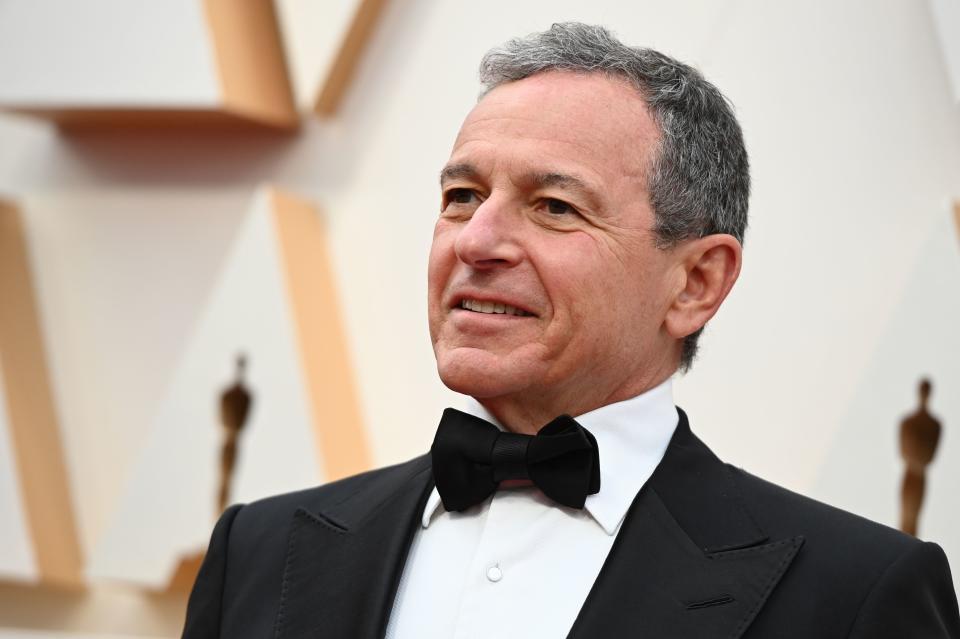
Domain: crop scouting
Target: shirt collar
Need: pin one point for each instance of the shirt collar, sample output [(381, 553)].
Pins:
[(632, 436)]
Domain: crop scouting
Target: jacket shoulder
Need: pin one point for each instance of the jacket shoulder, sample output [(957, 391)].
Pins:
[(853, 575), (319, 498), (252, 549), (780, 511)]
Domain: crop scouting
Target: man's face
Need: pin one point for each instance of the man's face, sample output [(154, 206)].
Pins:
[(545, 213)]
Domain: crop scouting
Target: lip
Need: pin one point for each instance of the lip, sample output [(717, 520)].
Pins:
[(471, 325), (473, 316), (458, 298)]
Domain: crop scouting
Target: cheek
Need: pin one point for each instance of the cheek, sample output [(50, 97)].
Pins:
[(441, 261), (585, 279), (606, 297), (438, 273)]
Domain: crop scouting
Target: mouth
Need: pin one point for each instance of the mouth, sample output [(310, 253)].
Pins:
[(490, 307)]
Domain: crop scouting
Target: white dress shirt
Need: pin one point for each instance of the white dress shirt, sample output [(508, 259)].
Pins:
[(518, 565)]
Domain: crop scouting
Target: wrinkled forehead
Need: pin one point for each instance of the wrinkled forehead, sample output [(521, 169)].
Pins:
[(594, 115)]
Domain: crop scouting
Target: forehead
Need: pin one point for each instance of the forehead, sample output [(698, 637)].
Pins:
[(593, 120)]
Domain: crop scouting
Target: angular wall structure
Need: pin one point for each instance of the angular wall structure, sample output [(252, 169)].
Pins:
[(111, 63), (38, 510), (274, 303)]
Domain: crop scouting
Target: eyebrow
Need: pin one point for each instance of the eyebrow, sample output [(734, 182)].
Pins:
[(559, 179), (464, 170), (455, 171), (569, 183)]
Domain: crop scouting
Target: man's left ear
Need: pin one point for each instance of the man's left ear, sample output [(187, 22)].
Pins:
[(707, 269)]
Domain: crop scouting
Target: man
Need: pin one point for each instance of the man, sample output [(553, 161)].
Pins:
[(592, 213)]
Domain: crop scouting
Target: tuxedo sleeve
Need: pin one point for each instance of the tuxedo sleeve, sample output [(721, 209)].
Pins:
[(914, 597), (203, 609)]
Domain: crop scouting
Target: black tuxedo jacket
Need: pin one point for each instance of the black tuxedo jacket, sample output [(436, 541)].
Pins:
[(706, 551)]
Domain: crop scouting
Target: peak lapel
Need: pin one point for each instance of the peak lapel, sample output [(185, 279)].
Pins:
[(344, 563), (689, 560)]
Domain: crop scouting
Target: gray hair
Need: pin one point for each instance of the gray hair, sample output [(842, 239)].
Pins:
[(699, 177)]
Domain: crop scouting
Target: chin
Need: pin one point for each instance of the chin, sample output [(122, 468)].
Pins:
[(476, 375)]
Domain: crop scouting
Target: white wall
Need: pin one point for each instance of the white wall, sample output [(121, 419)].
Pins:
[(168, 499), (946, 17), (848, 294), (160, 56), (312, 34)]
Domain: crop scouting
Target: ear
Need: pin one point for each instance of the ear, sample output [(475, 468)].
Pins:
[(708, 266)]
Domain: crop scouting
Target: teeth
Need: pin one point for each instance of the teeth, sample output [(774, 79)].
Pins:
[(492, 308)]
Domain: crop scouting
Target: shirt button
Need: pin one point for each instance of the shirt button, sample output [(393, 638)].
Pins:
[(494, 573)]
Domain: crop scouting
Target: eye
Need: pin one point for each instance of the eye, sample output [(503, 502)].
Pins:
[(558, 207), (458, 196)]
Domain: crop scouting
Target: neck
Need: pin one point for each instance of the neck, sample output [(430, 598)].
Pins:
[(527, 413)]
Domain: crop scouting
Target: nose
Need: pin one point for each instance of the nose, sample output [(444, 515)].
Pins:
[(490, 238)]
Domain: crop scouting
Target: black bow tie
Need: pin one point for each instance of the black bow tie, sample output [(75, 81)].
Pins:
[(471, 456)]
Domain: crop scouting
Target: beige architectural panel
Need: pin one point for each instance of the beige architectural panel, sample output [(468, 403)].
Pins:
[(33, 421), (254, 86), (351, 49), (185, 574), (250, 60), (99, 612), (341, 440)]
